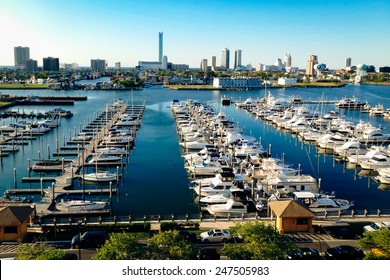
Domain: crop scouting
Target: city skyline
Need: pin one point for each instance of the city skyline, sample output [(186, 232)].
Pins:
[(77, 32)]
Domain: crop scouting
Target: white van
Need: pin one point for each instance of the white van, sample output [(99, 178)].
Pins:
[(376, 226)]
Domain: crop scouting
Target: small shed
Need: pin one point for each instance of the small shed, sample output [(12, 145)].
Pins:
[(13, 222), (292, 216)]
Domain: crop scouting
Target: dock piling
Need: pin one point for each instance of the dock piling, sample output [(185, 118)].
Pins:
[(15, 181)]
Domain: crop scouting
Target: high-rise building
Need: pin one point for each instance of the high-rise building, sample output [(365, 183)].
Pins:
[(203, 65), (213, 62), (160, 46), (117, 66), (237, 58), (164, 63), (313, 60), (31, 65), (225, 58), (348, 62), (98, 64), (21, 55), (51, 64), (287, 60)]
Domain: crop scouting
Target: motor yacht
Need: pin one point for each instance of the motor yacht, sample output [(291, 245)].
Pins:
[(80, 205)]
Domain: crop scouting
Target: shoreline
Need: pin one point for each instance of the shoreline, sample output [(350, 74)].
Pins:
[(209, 87)]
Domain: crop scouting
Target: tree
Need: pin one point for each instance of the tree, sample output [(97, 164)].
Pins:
[(378, 242), (261, 242), (170, 245), (121, 246), (39, 252)]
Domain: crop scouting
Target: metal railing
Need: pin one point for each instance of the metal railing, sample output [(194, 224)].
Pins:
[(95, 220)]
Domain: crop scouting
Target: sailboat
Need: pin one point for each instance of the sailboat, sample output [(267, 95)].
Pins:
[(99, 176)]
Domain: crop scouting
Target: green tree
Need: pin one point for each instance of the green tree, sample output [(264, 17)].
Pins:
[(39, 252), (261, 242), (169, 245), (121, 246), (378, 242)]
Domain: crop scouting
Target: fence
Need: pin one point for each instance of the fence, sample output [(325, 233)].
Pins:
[(75, 220)]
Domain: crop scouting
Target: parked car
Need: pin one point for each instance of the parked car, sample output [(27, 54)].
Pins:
[(70, 256), (89, 239), (343, 233), (208, 254), (188, 235), (216, 235), (344, 252), (376, 226), (304, 253)]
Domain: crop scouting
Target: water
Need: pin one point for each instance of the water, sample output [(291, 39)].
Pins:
[(155, 181)]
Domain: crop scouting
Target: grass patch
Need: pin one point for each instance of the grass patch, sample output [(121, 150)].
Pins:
[(321, 84), (190, 87), (23, 86)]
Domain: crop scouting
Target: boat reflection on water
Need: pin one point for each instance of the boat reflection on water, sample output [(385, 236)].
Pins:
[(384, 187)]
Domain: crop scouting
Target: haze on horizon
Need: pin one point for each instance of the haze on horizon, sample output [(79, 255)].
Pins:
[(127, 31)]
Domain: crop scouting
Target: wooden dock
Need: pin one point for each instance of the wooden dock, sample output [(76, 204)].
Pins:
[(80, 151)]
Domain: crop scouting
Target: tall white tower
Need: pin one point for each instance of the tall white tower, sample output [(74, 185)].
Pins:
[(287, 60), (160, 46)]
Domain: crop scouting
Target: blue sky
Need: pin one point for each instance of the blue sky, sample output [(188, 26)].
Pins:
[(127, 31)]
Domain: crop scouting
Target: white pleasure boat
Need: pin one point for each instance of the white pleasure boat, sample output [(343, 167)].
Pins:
[(80, 205)]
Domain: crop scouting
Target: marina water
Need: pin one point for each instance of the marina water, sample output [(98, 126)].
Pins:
[(154, 180)]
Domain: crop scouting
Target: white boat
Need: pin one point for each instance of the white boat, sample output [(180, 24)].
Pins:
[(248, 148), (247, 104), (223, 197), (289, 182), (50, 122), (320, 203), (384, 171), (350, 148), (9, 148), (205, 168), (37, 128), (332, 142), (376, 135), (195, 136), (80, 205), (384, 179), (117, 140), (195, 145), (82, 136), (222, 183), (111, 150), (128, 120), (352, 103), (105, 158), (376, 162), (236, 206), (377, 110), (100, 177), (357, 158)]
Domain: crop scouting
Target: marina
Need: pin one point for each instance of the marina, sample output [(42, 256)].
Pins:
[(154, 167)]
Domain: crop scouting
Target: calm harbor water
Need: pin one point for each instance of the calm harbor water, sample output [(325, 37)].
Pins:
[(155, 181)]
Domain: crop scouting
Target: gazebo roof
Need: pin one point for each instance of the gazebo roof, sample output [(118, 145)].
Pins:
[(290, 209), (14, 215)]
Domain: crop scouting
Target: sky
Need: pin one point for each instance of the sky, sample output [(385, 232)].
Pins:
[(126, 31)]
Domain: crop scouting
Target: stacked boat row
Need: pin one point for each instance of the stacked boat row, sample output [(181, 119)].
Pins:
[(361, 144), (16, 132), (232, 174)]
